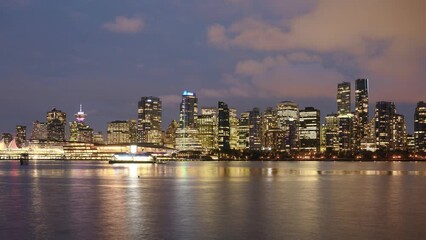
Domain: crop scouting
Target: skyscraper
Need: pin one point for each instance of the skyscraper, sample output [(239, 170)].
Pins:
[(361, 111), (187, 133), (332, 133), (39, 132), (233, 125), (288, 122), (344, 98), (208, 128), (309, 130), (420, 127), (188, 110), (399, 133), (118, 132), (224, 130), (384, 115), (149, 120), (56, 122), (21, 135)]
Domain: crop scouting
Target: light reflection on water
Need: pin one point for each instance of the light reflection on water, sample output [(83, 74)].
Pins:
[(213, 200)]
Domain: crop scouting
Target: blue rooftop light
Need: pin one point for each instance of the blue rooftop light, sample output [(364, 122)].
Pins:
[(186, 93)]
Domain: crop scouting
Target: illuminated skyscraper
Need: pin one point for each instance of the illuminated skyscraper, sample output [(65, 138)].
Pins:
[(288, 122), (361, 111), (233, 124), (420, 127), (56, 122), (118, 132), (149, 120), (384, 115), (344, 98), (39, 132), (269, 129), (224, 130), (21, 135), (188, 110), (309, 130), (399, 133), (332, 133), (345, 136), (208, 128), (170, 134), (243, 131), (187, 133)]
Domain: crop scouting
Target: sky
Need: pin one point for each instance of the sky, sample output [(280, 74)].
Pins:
[(107, 54)]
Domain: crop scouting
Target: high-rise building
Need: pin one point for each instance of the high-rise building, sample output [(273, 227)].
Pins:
[(345, 136), (243, 131), (269, 129), (207, 124), (149, 120), (224, 128), (133, 131), (79, 131), (39, 132), (420, 127), (21, 135), (118, 132), (170, 134), (255, 129), (399, 133), (187, 133), (188, 110), (344, 98), (233, 125), (332, 133), (361, 111), (384, 116), (56, 122), (309, 130), (288, 122)]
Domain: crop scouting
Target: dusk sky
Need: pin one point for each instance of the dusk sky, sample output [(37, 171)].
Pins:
[(108, 54)]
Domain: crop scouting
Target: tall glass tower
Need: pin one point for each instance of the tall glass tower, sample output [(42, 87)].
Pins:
[(361, 110), (344, 98), (149, 120)]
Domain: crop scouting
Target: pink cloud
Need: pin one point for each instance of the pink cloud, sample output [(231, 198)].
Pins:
[(123, 24)]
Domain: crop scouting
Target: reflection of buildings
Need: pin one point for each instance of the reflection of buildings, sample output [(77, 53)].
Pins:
[(149, 120)]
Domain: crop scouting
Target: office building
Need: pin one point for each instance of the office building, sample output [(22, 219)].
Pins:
[(332, 133), (361, 111), (288, 122), (224, 128), (56, 123), (420, 127), (118, 132), (309, 129), (233, 125), (21, 135), (343, 98), (39, 132), (207, 124), (384, 116), (149, 120)]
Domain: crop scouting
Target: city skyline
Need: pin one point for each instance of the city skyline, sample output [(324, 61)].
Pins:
[(108, 56)]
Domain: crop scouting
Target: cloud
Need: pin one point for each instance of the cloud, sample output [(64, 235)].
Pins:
[(277, 77), (384, 41), (123, 24)]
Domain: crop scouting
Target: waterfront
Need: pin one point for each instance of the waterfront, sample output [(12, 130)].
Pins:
[(213, 200)]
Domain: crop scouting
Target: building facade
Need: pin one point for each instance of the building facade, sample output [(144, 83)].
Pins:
[(149, 120), (309, 129), (420, 127)]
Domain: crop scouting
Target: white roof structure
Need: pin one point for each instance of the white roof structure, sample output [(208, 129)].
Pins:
[(13, 145), (2, 145)]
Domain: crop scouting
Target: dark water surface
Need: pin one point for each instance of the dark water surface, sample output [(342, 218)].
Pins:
[(213, 200)]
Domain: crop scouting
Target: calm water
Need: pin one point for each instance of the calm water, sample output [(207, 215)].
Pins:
[(211, 200)]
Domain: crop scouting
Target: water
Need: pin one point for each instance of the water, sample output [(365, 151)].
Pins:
[(213, 200)]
